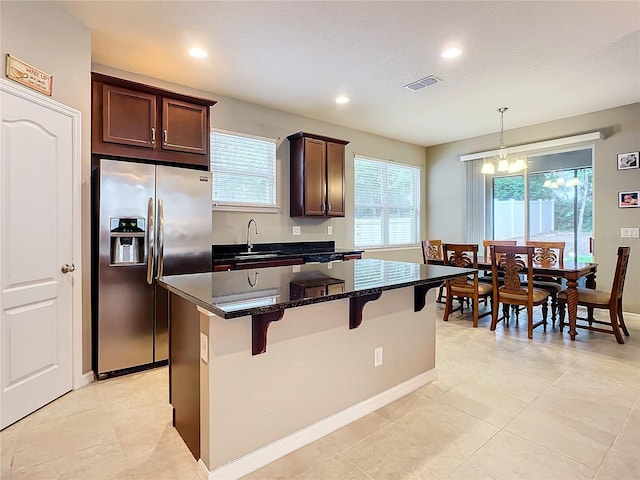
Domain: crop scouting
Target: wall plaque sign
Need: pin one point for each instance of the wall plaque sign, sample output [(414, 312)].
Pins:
[(29, 75)]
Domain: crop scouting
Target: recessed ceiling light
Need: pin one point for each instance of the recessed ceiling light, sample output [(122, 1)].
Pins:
[(451, 53), (342, 99), (197, 52)]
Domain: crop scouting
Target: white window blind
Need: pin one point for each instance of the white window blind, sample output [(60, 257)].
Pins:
[(243, 169), (387, 203)]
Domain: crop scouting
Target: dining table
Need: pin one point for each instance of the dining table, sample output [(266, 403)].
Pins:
[(571, 270)]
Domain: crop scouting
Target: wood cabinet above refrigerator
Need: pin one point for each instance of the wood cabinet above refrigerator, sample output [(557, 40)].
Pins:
[(317, 175), (139, 121)]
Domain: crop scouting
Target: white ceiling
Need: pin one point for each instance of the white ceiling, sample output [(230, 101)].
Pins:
[(544, 60)]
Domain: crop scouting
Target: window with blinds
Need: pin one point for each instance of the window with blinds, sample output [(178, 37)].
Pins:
[(243, 169), (387, 204)]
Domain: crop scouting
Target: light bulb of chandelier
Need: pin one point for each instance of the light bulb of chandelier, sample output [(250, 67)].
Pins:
[(560, 181), (574, 182), (488, 169), (503, 165), (502, 153)]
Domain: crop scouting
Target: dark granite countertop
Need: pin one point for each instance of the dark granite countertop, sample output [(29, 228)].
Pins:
[(238, 293), (279, 250)]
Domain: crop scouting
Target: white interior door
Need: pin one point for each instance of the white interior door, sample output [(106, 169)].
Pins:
[(35, 242)]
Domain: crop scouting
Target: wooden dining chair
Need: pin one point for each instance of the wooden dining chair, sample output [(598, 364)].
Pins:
[(600, 299), (512, 262), (548, 255), (486, 244), (466, 256), (432, 250)]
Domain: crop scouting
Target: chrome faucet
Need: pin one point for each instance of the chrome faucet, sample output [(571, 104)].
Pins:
[(249, 244)]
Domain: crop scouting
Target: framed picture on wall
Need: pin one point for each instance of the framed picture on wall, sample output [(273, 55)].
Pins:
[(629, 199), (628, 160)]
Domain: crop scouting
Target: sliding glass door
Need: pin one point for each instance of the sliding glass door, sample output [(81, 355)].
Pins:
[(552, 201)]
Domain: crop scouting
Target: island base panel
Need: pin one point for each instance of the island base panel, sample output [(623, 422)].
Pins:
[(314, 368)]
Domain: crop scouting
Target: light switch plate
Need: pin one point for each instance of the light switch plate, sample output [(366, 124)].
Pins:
[(296, 229), (296, 268), (329, 230), (204, 348), (629, 232)]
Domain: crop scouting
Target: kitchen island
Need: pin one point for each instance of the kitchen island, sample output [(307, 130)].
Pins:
[(265, 361)]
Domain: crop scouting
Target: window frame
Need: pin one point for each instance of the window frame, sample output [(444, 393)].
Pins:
[(246, 207), (385, 216)]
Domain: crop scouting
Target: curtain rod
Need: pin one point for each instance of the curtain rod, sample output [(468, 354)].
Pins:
[(529, 147)]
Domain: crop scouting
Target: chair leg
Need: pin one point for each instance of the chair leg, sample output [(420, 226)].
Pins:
[(554, 309), (447, 306), (613, 315), (621, 318), (590, 315), (505, 313), (561, 312), (440, 294), (530, 321), (475, 311), (545, 311), (494, 314)]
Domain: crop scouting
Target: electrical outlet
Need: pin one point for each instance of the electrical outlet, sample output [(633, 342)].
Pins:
[(296, 229), (204, 348), (629, 232), (296, 268), (377, 357), (329, 230)]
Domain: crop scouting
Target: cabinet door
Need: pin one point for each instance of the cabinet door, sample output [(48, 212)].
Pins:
[(184, 127), (128, 117), (335, 180), (314, 177), (335, 288), (314, 291)]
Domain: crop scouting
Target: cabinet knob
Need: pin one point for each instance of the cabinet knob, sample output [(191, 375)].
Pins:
[(329, 206), (153, 135), (165, 137)]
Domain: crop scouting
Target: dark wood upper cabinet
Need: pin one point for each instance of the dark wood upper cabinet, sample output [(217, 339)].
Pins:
[(143, 122), (185, 127), (128, 117), (317, 175)]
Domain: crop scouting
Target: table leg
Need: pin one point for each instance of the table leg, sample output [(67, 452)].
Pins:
[(591, 280), (572, 306)]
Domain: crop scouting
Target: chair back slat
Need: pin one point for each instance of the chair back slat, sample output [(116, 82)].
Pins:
[(460, 255), (487, 247), (548, 254), (621, 273), (431, 250), (512, 262)]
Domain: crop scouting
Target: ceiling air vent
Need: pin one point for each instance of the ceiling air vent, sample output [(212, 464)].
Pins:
[(420, 84)]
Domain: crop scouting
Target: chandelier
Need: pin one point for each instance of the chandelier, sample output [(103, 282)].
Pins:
[(504, 162)]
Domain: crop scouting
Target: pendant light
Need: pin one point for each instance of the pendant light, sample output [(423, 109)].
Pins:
[(502, 163)]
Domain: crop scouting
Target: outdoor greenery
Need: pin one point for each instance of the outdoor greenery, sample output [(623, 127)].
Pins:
[(512, 188)]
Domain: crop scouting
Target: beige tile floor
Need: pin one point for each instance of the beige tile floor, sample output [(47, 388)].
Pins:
[(503, 407)]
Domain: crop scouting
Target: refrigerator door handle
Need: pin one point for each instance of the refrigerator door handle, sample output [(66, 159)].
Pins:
[(160, 237), (150, 241)]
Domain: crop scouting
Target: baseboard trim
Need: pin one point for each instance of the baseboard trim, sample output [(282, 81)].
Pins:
[(84, 380), (279, 448), (632, 316)]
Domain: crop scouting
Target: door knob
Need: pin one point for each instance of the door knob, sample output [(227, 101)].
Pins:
[(66, 268)]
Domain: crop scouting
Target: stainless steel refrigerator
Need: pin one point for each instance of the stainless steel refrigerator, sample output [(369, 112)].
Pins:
[(149, 221)]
